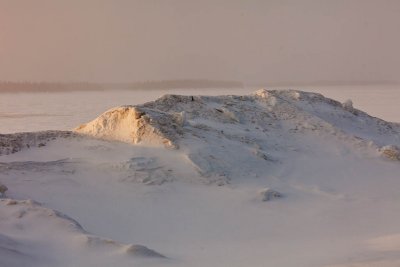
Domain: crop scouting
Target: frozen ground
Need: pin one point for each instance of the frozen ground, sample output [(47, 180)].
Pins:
[(199, 198)]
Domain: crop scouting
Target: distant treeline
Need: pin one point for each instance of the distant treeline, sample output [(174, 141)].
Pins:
[(170, 84), (88, 86), (47, 86)]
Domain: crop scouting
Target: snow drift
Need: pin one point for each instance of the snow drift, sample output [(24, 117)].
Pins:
[(25, 220)]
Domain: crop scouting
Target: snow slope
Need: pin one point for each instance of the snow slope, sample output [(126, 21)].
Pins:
[(276, 178)]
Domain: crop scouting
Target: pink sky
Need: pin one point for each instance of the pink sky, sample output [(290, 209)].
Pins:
[(128, 40)]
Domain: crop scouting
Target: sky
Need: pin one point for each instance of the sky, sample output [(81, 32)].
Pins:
[(249, 41)]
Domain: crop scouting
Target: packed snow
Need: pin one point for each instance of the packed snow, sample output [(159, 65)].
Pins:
[(275, 177)]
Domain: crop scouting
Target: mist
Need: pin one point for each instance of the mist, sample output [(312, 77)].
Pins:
[(248, 41)]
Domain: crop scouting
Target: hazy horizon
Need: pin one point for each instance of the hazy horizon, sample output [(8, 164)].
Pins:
[(253, 41)]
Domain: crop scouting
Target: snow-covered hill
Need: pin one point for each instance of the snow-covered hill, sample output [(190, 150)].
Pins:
[(172, 118), (215, 133), (303, 181)]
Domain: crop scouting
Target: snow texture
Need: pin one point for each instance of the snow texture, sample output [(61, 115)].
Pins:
[(11, 143), (187, 175)]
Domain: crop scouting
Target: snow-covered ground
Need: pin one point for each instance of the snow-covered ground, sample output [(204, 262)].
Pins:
[(275, 178)]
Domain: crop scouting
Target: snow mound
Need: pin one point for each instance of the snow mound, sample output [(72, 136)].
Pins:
[(26, 228), (135, 125), (216, 132), (169, 119)]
